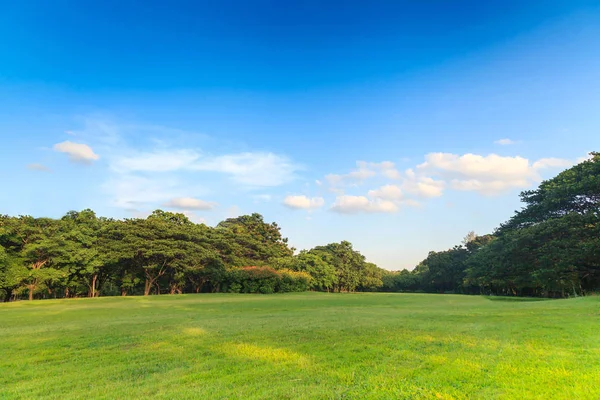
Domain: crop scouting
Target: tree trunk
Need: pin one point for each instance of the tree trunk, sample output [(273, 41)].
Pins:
[(123, 292), (147, 287), (8, 295), (30, 287), (94, 285)]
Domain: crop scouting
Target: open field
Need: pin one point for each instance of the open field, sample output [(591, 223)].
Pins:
[(308, 345)]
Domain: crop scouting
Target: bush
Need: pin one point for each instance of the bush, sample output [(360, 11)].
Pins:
[(265, 280), (234, 288)]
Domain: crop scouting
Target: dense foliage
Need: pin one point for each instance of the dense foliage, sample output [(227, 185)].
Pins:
[(550, 248), (85, 255)]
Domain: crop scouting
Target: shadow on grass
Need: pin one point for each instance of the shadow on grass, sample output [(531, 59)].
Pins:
[(510, 298)]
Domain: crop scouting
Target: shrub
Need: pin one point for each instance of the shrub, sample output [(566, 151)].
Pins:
[(265, 280)]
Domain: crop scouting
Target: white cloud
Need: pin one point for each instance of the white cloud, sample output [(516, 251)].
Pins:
[(392, 173), (387, 192), (131, 191), (303, 202), (195, 218), (388, 169), (38, 167), (252, 169), (365, 170), (189, 203), (77, 152), (552, 163), (361, 204), (504, 142), (410, 203), (487, 175), (584, 158), (422, 186), (149, 166), (488, 188), (476, 166)]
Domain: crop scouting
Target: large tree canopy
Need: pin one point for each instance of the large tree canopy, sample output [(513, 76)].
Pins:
[(551, 247), (81, 254)]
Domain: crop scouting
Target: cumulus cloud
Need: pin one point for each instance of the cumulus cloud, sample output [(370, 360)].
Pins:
[(303, 202), (477, 166), (77, 152), (360, 204), (189, 203), (488, 175), (410, 203), (552, 163), (504, 142), (38, 167), (387, 192), (422, 186), (485, 174), (392, 173)]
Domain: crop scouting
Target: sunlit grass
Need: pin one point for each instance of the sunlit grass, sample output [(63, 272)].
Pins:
[(311, 345)]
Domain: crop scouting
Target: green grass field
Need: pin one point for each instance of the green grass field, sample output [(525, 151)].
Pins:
[(309, 345)]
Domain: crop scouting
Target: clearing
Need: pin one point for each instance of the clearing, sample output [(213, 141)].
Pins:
[(306, 345)]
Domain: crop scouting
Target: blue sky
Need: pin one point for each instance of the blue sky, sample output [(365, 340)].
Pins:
[(399, 126)]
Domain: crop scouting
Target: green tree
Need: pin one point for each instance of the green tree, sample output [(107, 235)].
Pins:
[(319, 265), (80, 253), (252, 241)]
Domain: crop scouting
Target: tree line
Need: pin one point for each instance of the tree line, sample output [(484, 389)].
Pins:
[(82, 254), (549, 248)]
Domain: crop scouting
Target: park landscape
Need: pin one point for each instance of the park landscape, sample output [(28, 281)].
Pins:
[(301, 346), (300, 200), (163, 307)]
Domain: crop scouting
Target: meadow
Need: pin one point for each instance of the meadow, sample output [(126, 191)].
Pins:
[(301, 346)]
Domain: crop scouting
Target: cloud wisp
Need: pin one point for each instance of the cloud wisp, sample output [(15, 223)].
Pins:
[(505, 142), (77, 152), (249, 168), (157, 166), (363, 171), (303, 202), (346, 204), (190, 203), (38, 167)]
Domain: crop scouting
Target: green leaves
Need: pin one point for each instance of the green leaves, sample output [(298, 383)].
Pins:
[(85, 255)]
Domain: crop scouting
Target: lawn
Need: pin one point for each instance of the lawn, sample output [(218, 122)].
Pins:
[(308, 345)]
